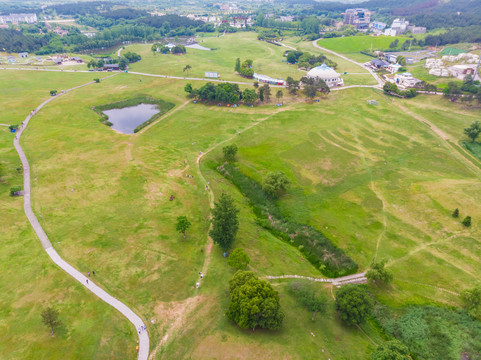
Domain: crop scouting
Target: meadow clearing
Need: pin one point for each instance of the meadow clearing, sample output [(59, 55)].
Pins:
[(375, 179)]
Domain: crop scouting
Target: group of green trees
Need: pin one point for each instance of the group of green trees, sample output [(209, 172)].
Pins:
[(467, 92), (392, 89), (307, 60), (466, 221), (245, 68), (228, 93)]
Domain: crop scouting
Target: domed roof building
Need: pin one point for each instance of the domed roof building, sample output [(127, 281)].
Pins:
[(324, 72)]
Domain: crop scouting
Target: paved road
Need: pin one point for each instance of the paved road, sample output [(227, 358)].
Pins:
[(47, 245), (378, 79)]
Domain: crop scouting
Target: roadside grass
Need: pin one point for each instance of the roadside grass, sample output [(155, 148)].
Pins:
[(30, 281)]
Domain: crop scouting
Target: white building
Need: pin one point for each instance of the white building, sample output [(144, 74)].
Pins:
[(268, 80), (18, 18), (324, 72), (405, 79), (394, 68), (398, 27)]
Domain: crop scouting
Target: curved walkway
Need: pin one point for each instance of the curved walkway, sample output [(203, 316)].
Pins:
[(376, 77), (343, 280), (47, 245)]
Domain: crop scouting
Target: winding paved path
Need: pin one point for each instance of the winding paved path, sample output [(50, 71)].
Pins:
[(47, 245)]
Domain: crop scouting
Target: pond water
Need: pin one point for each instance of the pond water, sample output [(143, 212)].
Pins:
[(125, 120)]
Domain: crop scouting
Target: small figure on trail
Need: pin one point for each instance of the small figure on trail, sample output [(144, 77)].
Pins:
[(89, 273), (201, 250), (87, 280), (172, 197), (197, 285), (93, 272)]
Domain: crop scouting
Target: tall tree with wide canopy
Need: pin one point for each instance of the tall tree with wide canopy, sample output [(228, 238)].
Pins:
[(253, 303)]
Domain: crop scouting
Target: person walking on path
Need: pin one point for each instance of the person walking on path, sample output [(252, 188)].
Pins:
[(89, 273), (93, 272), (87, 280)]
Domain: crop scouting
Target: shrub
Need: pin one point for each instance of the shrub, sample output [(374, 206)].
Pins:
[(456, 213), (467, 221)]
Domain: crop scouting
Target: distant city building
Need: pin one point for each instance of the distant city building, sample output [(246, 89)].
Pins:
[(398, 27), (417, 29), (18, 18), (377, 25), (406, 79), (359, 18), (286, 18)]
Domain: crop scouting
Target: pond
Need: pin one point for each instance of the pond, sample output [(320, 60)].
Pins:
[(125, 120)]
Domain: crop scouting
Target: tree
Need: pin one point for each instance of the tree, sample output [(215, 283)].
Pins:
[(472, 300), (310, 25), (391, 350), (53, 92), (308, 298), (275, 183), (292, 85), (97, 80), (187, 68), (230, 151), (182, 224), (266, 90), (249, 96), (379, 273), (253, 302), (15, 189), (256, 84), (154, 48), (237, 65), (452, 91), (50, 318), (467, 221), (353, 303), (92, 64), (401, 60), (178, 49), (261, 94), (100, 63), (238, 259), (188, 88), (123, 63), (279, 95), (456, 213), (224, 222), (291, 58), (473, 130)]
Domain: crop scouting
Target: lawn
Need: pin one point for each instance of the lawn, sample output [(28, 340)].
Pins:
[(378, 182), (30, 280), (351, 46), (244, 45), (361, 177)]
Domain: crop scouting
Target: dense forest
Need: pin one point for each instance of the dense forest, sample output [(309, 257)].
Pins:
[(15, 41)]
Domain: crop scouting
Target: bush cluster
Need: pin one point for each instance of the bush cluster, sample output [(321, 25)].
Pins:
[(312, 243)]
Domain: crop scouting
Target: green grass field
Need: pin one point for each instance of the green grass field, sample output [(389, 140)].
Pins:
[(375, 179), (351, 46)]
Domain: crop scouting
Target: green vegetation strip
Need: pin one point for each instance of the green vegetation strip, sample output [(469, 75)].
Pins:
[(162, 105), (317, 249)]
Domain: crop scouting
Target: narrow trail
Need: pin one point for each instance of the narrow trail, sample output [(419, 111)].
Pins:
[(54, 256), (343, 280)]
